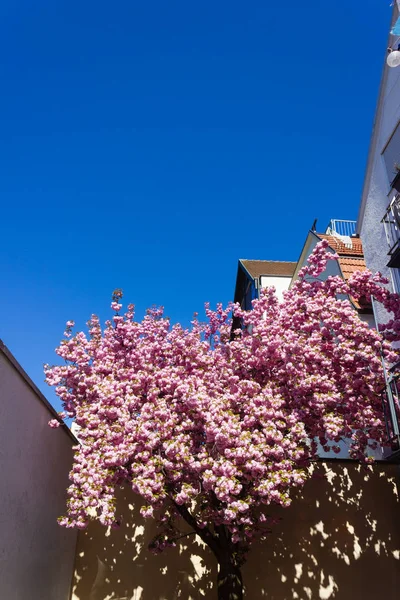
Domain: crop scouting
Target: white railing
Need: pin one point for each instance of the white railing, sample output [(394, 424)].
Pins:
[(341, 227)]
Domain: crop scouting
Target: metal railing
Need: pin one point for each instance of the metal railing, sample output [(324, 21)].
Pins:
[(391, 223), (391, 409), (341, 227), (390, 402)]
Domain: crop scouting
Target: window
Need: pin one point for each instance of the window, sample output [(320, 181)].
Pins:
[(391, 155)]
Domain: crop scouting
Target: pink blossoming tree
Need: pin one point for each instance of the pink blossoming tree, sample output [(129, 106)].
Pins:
[(211, 428)]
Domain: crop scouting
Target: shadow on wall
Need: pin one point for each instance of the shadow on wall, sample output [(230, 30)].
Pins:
[(340, 539), (116, 564)]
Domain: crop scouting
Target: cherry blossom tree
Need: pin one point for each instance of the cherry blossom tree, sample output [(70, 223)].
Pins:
[(210, 427)]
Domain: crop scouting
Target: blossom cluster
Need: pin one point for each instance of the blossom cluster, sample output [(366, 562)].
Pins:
[(216, 423)]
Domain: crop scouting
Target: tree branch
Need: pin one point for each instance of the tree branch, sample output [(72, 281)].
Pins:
[(205, 534), (185, 535)]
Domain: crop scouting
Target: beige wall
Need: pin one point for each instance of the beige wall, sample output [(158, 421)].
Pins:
[(36, 554), (340, 539)]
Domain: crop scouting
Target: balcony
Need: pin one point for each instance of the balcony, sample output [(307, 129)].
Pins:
[(391, 223), (341, 228)]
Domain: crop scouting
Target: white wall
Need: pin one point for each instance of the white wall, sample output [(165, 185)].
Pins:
[(332, 267), (376, 196), (36, 554), (281, 284)]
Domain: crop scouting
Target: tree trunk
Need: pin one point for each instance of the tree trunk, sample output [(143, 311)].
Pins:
[(230, 583)]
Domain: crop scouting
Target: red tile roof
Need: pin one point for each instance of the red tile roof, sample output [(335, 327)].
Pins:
[(351, 265), (339, 247), (350, 259), (257, 268)]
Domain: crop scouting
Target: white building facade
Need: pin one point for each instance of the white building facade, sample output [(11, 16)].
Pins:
[(379, 216), (378, 222)]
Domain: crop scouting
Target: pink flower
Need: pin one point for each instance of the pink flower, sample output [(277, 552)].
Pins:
[(194, 421)]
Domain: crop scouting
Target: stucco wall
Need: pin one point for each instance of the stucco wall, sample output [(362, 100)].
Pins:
[(376, 192), (36, 554), (340, 539)]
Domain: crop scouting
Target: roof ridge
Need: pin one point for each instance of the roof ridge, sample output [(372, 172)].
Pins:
[(268, 260)]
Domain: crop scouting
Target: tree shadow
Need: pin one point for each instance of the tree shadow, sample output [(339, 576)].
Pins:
[(116, 563), (340, 539)]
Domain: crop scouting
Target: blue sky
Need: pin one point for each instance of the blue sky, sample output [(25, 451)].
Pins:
[(150, 145)]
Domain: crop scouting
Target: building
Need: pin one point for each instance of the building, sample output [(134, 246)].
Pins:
[(343, 240), (253, 275), (378, 223), (36, 554)]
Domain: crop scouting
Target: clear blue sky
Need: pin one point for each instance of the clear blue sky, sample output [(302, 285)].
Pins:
[(149, 145)]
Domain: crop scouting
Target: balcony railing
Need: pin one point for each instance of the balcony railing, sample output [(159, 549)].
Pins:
[(340, 227), (391, 223), (391, 409)]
